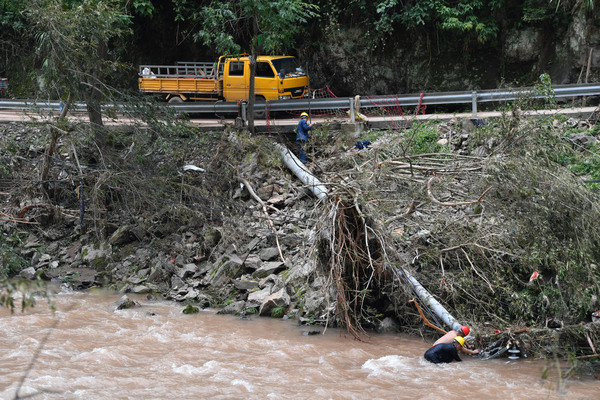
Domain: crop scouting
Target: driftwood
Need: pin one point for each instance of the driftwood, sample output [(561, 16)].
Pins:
[(453, 204)]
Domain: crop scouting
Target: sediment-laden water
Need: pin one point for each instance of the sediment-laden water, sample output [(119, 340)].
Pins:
[(157, 352)]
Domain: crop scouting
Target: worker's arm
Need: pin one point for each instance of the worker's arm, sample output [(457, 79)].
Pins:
[(467, 351)]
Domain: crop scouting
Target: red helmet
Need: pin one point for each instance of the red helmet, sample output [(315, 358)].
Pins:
[(465, 330)]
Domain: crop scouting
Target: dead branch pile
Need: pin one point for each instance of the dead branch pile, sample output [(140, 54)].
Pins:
[(472, 229)]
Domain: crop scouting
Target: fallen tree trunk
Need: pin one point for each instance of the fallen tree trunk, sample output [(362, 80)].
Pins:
[(321, 192)]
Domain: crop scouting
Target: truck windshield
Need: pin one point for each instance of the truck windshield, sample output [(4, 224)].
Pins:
[(288, 67)]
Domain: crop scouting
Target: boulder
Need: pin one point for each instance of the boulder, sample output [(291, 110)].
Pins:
[(228, 267), (122, 236), (233, 308), (90, 253), (28, 273), (140, 289), (269, 253), (268, 268), (244, 284), (188, 270), (255, 299), (125, 303), (277, 299)]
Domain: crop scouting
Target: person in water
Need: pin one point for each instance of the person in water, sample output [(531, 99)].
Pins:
[(449, 338), (444, 353)]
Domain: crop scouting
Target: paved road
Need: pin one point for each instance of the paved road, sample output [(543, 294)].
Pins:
[(278, 124)]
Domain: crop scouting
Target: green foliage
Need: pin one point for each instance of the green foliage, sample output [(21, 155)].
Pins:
[(143, 7), (77, 47), (540, 97), (10, 262), (466, 16), (277, 312), (10, 15), (544, 89), (423, 139), (269, 25), (11, 290), (190, 309)]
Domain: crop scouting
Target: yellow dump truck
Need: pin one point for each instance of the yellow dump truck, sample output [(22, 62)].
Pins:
[(277, 78)]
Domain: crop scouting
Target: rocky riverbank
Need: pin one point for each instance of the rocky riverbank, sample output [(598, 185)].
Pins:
[(216, 220)]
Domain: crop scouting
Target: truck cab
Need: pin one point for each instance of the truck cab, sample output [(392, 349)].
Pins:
[(277, 78)]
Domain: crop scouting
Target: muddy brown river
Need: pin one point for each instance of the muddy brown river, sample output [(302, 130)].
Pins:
[(92, 351)]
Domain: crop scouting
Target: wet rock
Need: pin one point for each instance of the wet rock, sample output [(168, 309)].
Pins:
[(234, 308), (190, 309), (28, 273), (277, 299), (125, 303), (140, 289)]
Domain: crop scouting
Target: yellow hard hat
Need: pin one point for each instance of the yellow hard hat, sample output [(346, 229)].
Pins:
[(460, 340), (304, 115)]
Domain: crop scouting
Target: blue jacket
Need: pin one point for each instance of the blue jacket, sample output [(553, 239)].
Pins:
[(442, 353), (302, 130)]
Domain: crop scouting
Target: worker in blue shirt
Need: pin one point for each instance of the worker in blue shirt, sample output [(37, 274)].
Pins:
[(302, 135)]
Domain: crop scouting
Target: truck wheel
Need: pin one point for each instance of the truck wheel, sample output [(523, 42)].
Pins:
[(262, 112), (176, 100)]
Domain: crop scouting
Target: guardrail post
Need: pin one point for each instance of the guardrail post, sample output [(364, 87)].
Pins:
[(352, 113), (244, 109), (474, 102)]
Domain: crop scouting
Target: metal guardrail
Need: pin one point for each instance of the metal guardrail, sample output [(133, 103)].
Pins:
[(347, 103)]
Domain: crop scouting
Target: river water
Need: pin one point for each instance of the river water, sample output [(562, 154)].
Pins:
[(155, 351)]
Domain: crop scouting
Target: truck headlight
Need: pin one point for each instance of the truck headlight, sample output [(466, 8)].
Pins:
[(288, 97)]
